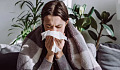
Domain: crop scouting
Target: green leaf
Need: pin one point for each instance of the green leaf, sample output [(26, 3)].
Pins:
[(17, 2), (86, 22), (13, 19), (112, 37), (90, 12), (105, 15), (77, 9), (111, 26), (86, 27), (84, 6), (10, 29), (72, 16), (74, 7), (109, 30), (10, 34), (110, 17), (29, 7), (79, 22), (85, 15), (36, 2), (81, 29), (20, 24), (92, 34), (39, 6), (20, 14), (39, 2), (14, 25), (97, 14), (22, 4), (93, 23), (29, 3), (15, 40)]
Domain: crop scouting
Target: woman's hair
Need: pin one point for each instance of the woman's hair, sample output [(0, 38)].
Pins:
[(55, 8)]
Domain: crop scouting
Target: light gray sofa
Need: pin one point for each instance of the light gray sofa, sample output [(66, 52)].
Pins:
[(108, 56)]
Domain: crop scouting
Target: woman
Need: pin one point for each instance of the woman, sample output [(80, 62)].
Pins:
[(37, 55)]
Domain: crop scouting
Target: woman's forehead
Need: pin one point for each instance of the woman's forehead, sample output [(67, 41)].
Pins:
[(53, 19)]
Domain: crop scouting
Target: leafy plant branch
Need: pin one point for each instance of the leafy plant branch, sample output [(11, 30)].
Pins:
[(104, 18), (27, 21), (82, 21)]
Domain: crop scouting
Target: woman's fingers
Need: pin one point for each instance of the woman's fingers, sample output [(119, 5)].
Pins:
[(49, 42), (60, 43)]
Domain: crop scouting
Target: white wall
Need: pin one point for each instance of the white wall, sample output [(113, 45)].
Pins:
[(8, 11)]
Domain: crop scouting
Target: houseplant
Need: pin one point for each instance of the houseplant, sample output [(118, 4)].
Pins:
[(104, 19), (27, 20), (82, 21)]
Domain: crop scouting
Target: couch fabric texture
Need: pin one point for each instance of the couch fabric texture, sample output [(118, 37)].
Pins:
[(108, 56)]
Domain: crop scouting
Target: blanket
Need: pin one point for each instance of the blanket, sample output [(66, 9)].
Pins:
[(78, 53)]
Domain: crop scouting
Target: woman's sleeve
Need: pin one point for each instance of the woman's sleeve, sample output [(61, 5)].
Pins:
[(63, 63), (46, 65)]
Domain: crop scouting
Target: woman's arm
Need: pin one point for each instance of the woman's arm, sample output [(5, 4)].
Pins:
[(62, 62), (46, 65), (47, 62), (25, 63)]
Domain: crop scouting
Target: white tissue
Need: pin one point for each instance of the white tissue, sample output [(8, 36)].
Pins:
[(54, 34)]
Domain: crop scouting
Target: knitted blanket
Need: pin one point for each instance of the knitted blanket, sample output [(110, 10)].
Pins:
[(78, 53)]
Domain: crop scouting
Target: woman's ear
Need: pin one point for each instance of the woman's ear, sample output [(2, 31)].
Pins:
[(67, 21)]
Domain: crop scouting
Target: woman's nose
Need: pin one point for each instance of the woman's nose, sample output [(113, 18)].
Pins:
[(53, 29)]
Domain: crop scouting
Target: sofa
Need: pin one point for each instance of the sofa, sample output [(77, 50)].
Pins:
[(9, 56), (108, 56)]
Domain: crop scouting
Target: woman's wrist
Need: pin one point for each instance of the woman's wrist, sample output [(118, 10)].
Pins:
[(50, 57), (59, 55)]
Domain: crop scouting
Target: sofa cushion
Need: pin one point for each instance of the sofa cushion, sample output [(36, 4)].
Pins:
[(4, 48), (108, 56), (8, 61)]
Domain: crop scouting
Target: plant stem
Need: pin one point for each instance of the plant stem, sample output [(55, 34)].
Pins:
[(99, 37)]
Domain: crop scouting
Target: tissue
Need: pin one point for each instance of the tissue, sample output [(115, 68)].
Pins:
[(54, 34)]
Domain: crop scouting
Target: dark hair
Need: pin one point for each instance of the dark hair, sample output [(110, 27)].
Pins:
[(55, 8)]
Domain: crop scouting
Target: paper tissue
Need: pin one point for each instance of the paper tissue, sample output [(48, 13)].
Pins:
[(54, 34)]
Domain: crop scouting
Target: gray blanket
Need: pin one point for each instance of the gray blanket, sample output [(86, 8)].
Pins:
[(77, 51)]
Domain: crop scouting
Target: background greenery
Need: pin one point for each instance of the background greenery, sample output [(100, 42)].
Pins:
[(84, 21), (27, 21)]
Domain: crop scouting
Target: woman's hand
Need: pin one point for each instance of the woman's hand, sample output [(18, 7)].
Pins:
[(60, 44), (48, 44)]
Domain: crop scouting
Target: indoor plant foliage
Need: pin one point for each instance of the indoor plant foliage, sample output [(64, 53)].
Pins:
[(27, 20), (82, 21), (104, 18)]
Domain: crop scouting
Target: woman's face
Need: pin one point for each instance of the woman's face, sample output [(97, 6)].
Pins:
[(54, 23)]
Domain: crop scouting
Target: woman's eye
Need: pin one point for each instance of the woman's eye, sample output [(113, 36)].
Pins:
[(48, 26), (58, 27)]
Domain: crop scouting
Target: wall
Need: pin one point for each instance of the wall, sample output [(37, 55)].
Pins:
[(8, 11)]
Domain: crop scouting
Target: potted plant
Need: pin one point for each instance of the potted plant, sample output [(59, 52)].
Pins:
[(84, 21), (27, 20), (104, 19)]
